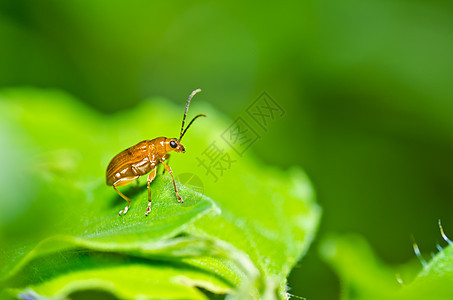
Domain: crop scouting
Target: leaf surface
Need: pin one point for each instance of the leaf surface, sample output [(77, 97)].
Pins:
[(363, 276), (261, 220)]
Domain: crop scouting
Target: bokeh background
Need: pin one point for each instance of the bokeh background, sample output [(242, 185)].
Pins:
[(367, 87)]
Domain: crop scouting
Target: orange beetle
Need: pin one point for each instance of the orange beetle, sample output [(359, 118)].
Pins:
[(144, 157)]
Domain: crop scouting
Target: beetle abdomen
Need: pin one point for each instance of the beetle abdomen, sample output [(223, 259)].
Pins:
[(124, 173), (132, 162)]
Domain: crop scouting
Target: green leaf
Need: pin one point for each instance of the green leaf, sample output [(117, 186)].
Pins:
[(363, 276), (278, 230), (177, 251), (123, 276), (436, 278), (261, 224), (167, 220)]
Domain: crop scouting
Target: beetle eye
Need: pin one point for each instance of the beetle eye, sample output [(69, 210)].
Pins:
[(173, 144)]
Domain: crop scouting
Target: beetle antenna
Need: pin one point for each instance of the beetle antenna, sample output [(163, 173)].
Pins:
[(196, 117), (185, 113)]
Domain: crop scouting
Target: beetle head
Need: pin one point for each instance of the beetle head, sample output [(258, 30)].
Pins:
[(173, 144)]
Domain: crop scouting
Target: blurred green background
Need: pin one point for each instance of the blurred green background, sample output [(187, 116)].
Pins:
[(366, 86)]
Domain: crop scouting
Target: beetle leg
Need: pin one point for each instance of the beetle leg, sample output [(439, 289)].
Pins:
[(151, 177), (125, 198), (167, 167), (167, 158), (122, 182)]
